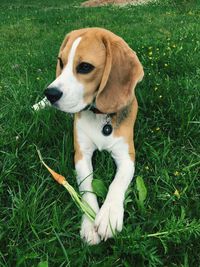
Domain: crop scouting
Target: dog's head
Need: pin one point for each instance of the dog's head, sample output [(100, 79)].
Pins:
[(94, 64)]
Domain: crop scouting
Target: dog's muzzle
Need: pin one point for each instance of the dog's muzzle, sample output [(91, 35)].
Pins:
[(53, 94)]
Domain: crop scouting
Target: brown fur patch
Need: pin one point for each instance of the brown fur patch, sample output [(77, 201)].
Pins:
[(78, 153), (122, 115), (126, 128), (87, 51)]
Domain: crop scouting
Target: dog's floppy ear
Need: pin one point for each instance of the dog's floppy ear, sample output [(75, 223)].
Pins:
[(59, 62), (122, 72)]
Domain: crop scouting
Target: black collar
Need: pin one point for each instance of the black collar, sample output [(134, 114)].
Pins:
[(92, 107)]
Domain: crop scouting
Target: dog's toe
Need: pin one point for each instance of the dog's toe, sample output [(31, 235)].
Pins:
[(88, 232), (109, 220)]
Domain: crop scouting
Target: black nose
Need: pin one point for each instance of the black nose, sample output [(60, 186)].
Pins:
[(53, 94)]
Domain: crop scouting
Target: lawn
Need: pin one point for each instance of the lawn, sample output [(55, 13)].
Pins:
[(39, 223)]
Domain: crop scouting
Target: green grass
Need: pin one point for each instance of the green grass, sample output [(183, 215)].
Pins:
[(38, 220)]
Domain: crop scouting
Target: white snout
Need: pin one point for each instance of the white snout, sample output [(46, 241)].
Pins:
[(72, 99)]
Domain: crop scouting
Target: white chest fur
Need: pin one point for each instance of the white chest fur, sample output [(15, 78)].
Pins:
[(91, 125)]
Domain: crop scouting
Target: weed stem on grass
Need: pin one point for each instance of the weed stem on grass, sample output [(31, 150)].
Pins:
[(164, 233), (191, 166)]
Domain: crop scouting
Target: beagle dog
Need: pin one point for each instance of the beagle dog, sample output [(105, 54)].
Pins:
[(96, 76)]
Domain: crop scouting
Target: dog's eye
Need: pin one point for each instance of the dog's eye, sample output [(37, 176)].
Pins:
[(84, 68), (61, 63)]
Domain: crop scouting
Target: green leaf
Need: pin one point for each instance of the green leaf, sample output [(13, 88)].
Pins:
[(99, 188), (142, 191), (43, 264)]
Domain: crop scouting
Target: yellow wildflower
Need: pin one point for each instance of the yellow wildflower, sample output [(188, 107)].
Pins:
[(177, 194), (176, 173)]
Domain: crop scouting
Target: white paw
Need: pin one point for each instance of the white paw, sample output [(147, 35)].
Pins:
[(88, 232), (109, 219)]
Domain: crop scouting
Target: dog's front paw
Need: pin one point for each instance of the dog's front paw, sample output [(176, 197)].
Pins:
[(88, 232), (109, 219)]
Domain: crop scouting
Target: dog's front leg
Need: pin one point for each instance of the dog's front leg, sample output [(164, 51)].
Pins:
[(84, 179), (110, 217), (83, 154)]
